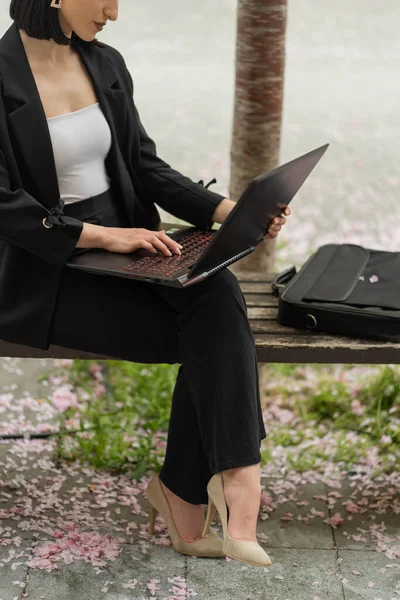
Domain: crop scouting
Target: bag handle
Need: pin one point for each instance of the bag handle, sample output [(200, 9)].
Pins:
[(281, 279)]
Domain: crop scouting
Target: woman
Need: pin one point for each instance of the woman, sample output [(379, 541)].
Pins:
[(77, 171)]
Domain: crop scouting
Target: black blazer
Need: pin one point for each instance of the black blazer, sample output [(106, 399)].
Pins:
[(32, 256)]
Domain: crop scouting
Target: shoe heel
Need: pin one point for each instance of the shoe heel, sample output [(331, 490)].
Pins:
[(211, 512), (158, 503), (153, 516)]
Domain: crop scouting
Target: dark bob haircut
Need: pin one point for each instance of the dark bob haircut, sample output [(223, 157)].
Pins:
[(39, 20)]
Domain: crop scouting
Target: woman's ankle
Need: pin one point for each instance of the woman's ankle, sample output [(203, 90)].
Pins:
[(242, 491), (172, 496), (189, 518)]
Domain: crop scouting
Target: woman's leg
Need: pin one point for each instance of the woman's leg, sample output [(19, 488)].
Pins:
[(117, 317), (185, 471), (220, 371), (127, 320), (203, 327)]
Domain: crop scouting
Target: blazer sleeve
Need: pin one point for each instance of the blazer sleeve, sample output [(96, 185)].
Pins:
[(172, 191), (21, 223)]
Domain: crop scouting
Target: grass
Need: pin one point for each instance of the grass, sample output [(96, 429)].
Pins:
[(314, 414), (124, 427), (344, 420)]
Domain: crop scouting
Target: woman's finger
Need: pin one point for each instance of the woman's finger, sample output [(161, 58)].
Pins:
[(147, 246), (157, 243), (172, 244)]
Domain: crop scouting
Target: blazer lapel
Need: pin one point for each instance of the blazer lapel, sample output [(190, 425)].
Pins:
[(27, 119)]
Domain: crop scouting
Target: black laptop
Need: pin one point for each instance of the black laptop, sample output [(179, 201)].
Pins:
[(207, 251)]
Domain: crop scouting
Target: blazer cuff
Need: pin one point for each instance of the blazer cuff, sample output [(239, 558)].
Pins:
[(214, 200)]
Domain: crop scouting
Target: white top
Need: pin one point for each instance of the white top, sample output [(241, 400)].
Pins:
[(81, 141)]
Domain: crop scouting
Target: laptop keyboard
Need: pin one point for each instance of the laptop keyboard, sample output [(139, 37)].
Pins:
[(193, 245)]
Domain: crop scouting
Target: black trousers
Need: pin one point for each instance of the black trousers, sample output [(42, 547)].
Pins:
[(216, 419)]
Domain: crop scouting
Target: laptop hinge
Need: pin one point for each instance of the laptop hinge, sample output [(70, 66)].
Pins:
[(226, 263), (231, 260)]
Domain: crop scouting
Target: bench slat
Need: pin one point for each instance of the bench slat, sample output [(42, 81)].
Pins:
[(275, 342), (254, 276), (324, 349), (272, 327), (271, 348), (266, 300), (261, 312), (18, 351), (256, 287)]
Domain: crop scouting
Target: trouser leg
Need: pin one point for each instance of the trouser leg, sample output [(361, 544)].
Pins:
[(218, 383), (185, 470)]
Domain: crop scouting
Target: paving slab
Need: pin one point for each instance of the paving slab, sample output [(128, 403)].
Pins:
[(132, 568), (25, 406), (294, 524), (369, 576), (36, 497), (295, 574), (370, 515), (27, 474), (24, 372), (13, 569)]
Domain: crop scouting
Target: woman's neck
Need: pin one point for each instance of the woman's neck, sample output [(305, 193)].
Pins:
[(46, 52)]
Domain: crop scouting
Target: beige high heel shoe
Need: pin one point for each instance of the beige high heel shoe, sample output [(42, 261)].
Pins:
[(243, 550), (205, 546)]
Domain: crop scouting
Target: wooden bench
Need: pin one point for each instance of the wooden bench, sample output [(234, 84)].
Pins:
[(275, 343)]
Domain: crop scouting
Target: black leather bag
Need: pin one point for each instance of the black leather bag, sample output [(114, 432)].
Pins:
[(343, 289)]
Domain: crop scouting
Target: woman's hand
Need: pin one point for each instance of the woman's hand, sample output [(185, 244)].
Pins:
[(125, 240), (226, 206), (276, 225)]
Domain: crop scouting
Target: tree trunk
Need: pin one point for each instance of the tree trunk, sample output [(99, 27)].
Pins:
[(260, 63)]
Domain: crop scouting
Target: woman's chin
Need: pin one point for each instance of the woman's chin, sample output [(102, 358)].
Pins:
[(86, 36)]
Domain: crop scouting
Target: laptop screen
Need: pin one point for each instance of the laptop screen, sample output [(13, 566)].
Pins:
[(265, 198)]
